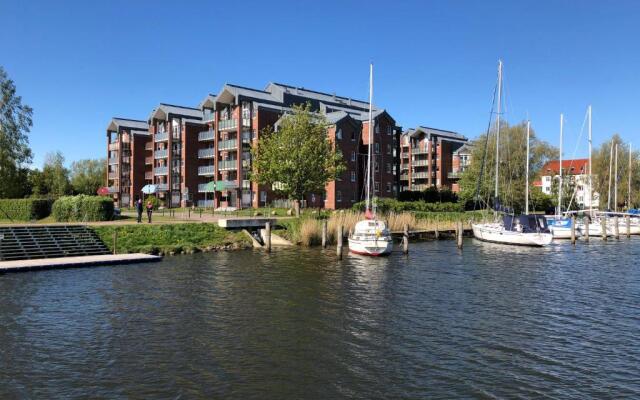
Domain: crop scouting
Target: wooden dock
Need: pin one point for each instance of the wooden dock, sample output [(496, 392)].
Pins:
[(73, 262)]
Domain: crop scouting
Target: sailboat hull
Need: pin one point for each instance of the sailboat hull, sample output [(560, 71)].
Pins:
[(495, 233), (375, 248)]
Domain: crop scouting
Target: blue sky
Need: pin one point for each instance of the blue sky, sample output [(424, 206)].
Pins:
[(80, 63)]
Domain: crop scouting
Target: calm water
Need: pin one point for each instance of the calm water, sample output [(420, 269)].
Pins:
[(490, 322)]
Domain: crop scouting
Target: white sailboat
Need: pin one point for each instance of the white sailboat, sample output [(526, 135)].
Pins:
[(524, 230), (370, 237)]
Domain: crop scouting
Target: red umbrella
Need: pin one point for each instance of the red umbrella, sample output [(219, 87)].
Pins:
[(103, 191)]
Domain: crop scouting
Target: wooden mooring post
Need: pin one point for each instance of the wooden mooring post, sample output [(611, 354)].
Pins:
[(573, 229), (324, 233), (405, 239), (267, 236), (339, 240), (459, 234), (603, 226), (586, 227), (616, 227), (628, 219)]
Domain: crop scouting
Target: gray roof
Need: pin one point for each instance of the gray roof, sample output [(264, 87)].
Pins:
[(193, 121), (210, 99), (335, 117), (143, 133), (327, 98), (415, 132), (117, 123), (166, 109), (464, 149), (232, 93)]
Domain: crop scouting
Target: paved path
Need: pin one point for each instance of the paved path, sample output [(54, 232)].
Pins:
[(66, 262)]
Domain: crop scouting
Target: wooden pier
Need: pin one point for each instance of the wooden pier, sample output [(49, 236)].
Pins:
[(74, 262)]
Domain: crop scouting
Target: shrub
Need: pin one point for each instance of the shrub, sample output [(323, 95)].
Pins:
[(25, 209), (392, 205), (153, 199), (83, 208)]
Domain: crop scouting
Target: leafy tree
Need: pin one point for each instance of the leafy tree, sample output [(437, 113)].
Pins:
[(600, 169), (15, 123), (55, 177), (87, 176), (512, 165), (298, 159)]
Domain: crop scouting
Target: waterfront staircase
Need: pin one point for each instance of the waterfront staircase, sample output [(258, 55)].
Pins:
[(49, 241)]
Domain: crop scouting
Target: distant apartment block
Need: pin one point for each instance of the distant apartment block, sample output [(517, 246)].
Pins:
[(427, 158), (188, 150), (574, 171), (129, 150)]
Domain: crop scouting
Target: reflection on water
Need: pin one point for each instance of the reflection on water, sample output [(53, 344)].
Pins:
[(488, 321)]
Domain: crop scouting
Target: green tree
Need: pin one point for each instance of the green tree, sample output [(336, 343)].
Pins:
[(600, 159), (55, 177), (15, 123), (298, 159), (513, 145), (88, 175)]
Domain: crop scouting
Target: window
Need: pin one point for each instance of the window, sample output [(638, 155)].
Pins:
[(376, 166), (353, 196), (388, 149), (353, 156), (389, 130), (388, 187), (353, 176), (263, 196), (313, 197), (388, 168), (339, 134), (338, 196), (377, 146), (377, 128), (376, 186)]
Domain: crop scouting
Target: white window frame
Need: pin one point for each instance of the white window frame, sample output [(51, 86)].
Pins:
[(338, 196)]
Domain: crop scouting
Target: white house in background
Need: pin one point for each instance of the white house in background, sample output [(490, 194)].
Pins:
[(574, 170)]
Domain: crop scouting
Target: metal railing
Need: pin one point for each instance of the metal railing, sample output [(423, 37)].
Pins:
[(454, 174), (227, 124), (148, 146), (206, 170), (206, 153), (418, 150), (227, 144), (148, 160), (161, 170), (227, 165), (148, 175), (162, 187), (113, 160), (161, 154), (206, 135), (161, 136), (113, 146), (113, 175), (205, 203), (420, 163), (113, 189), (202, 188)]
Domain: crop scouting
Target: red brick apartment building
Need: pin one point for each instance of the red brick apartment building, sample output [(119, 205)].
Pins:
[(186, 149), (427, 158), (128, 149)]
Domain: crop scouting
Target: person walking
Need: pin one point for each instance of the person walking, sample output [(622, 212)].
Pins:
[(149, 210), (139, 209)]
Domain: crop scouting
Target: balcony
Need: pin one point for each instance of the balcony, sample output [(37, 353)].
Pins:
[(206, 135), (206, 153), (227, 165), (202, 188), (420, 175), (246, 122), (175, 186), (227, 144), (125, 171), (205, 203), (161, 170), (247, 136), (419, 150), (161, 154), (113, 175), (113, 160), (113, 189), (113, 146), (148, 146), (208, 115), (454, 175), (404, 177), (227, 124), (148, 175), (207, 170), (161, 136), (162, 187), (246, 184), (148, 160), (420, 163)]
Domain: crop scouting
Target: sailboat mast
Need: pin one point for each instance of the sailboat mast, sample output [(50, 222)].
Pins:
[(629, 183), (526, 193), (590, 170), (498, 127), (560, 178), (368, 204), (615, 185), (610, 174)]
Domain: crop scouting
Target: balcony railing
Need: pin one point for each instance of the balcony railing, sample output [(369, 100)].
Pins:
[(113, 175), (419, 150), (113, 189), (420, 175), (206, 153), (205, 203), (125, 171), (420, 163), (148, 146), (227, 165), (206, 135), (148, 160), (161, 170), (202, 188), (161, 136), (404, 177), (175, 186), (162, 187), (246, 122), (227, 144), (246, 184), (148, 175), (113, 160), (227, 124), (113, 146), (161, 154), (454, 175), (247, 136), (208, 116), (207, 170)]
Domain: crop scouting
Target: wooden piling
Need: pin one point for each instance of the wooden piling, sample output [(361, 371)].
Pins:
[(267, 236), (616, 227), (603, 225), (586, 227), (189, 210), (573, 229), (405, 239), (459, 232), (339, 240), (628, 218), (324, 233)]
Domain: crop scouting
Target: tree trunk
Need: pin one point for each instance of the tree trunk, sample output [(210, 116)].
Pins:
[(296, 207)]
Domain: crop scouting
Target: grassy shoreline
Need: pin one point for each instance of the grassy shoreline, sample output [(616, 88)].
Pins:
[(170, 239)]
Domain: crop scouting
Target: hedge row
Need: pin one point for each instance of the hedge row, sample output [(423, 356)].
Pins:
[(392, 205), (24, 209), (83, 208)]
